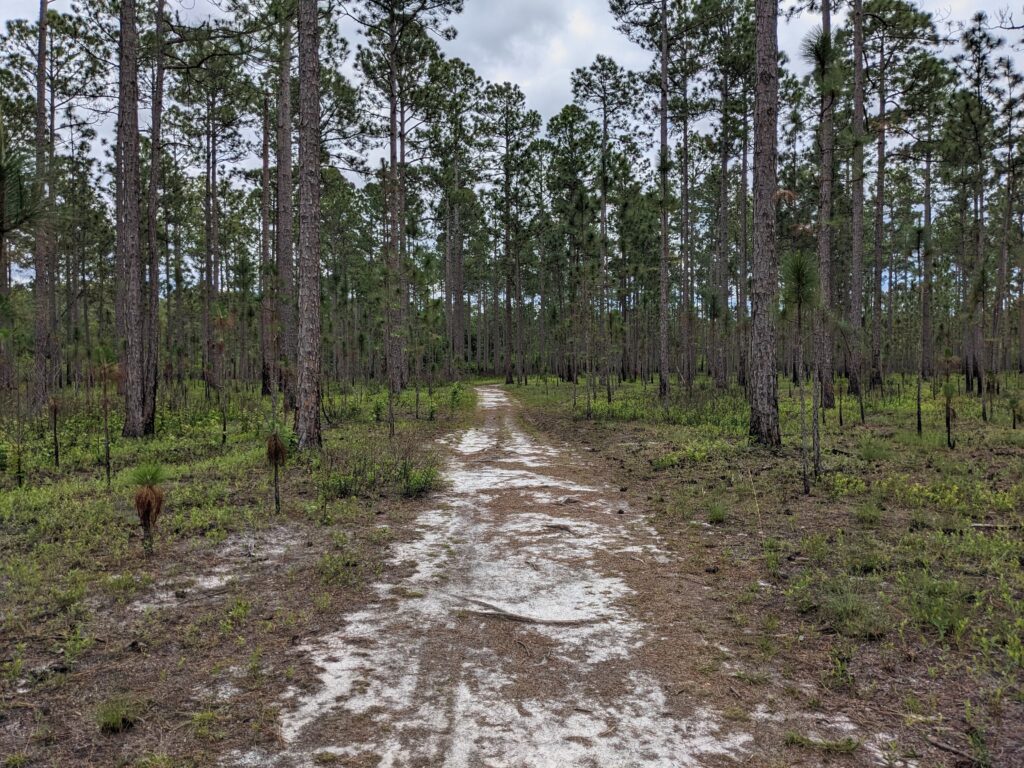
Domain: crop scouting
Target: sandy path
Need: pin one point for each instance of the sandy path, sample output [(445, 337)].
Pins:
[(512, 643)]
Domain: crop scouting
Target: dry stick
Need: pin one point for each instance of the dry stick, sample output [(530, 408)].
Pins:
[(500, 613), (953, 750)]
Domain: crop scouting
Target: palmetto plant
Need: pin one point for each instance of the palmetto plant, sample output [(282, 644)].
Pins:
[(149, 498)]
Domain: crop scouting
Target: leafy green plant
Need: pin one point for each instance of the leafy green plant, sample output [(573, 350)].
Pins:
[(340, 567), (419, 481)]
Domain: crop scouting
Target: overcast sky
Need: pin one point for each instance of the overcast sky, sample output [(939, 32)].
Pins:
[(538, 43)]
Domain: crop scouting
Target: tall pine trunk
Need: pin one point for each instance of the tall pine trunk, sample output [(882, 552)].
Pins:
[(152, 313), (663, 168), (285, 286), (764, 395), (42, 252), (307, 416), (268, 353), (876, 306), (856, 310), (826, 139), (128, 219)]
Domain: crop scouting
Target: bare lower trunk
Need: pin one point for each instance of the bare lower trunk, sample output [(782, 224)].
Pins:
[(763, 389), (822, 331), (927, 367), (876, 310), (42, 255), (663, 287), (268, 353), (856, 314), (152, 314), (285, 286), (307, 415), (128, 232)]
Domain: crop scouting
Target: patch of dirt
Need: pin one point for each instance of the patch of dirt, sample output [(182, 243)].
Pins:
[(542, 622)]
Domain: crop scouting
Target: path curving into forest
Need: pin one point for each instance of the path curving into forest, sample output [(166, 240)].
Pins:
[(514, 640)]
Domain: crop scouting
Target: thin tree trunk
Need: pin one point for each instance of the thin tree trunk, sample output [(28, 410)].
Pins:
[(876, 312), (152, 314), (663, 286), (285, 286), (826, 138), (927, 341), (42, 256), (128, 232), (856, 309), (268, 353)]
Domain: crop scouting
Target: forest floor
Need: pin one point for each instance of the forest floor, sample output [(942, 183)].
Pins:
[(520, 586), (878, 620)]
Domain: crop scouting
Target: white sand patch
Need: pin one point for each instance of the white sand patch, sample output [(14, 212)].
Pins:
[(488, 398), (475, 441), (489, 554)]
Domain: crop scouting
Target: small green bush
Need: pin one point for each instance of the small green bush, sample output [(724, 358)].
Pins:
[(419, 481)]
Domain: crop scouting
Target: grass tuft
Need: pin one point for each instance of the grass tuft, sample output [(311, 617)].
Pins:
[(118, 714)]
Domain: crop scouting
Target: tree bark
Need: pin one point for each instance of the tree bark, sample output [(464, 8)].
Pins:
[(152, 313), (856, 309), (307, 418), (663, 168), (927, 340), (128, 220), (42, 257), (285, 285), (826, 139), (268, 353), (764, 397), (876, 310)]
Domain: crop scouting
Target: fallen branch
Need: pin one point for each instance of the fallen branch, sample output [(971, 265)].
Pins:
[(558, 527), (496, 612), (952, 750)]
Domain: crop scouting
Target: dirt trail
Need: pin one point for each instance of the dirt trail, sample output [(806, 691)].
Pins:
[(516, 640)]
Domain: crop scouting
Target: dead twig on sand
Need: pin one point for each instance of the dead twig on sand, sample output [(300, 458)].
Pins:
[(558, 527), (952, 750), (493, 611)]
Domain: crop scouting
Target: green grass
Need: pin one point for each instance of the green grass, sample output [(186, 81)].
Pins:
[(845, 746), (118, 714), (717, 513)]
